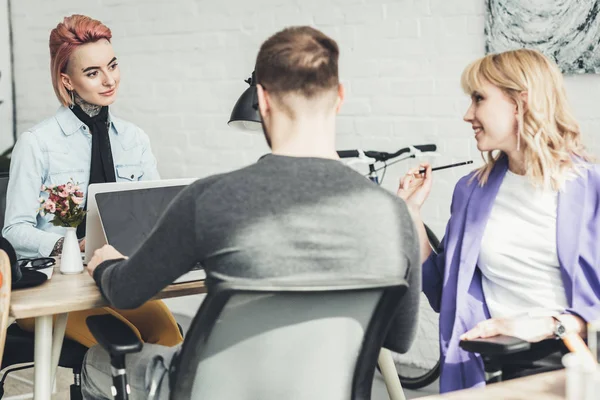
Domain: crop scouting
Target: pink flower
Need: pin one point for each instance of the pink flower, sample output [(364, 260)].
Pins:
[(50, 206), (77, 200), (70, 188), (64, 201)]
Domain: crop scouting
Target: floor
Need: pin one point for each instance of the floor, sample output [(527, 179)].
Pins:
[(17, 389), (19, 385)]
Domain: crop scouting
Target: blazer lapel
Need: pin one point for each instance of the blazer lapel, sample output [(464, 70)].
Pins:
[(571, 203), (477, 214)]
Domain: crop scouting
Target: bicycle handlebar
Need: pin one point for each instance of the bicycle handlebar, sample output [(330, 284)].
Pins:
[(383, 156), (348, 153)]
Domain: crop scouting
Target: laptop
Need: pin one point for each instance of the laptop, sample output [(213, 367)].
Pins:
[(128, 217), (94, 236)]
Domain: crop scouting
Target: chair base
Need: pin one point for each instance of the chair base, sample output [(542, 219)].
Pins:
[(76, 392), (19, 349)]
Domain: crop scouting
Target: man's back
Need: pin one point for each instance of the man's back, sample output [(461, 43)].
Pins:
[(283, 218), (292, 217)]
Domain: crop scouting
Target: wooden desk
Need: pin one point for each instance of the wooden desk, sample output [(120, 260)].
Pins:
[(546, 386), (59, 296), (66, 293)]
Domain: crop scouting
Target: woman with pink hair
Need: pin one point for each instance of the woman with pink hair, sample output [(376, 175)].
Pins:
[(86, 143)]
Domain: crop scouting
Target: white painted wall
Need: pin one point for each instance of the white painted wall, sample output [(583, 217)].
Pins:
[(6, 106)]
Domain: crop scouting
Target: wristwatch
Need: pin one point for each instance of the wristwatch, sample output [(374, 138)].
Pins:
[(559, 329)]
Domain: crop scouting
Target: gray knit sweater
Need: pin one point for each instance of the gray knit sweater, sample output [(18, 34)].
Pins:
[(283, 218)]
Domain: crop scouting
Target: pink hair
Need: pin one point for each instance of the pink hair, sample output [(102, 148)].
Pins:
[(68, 35)]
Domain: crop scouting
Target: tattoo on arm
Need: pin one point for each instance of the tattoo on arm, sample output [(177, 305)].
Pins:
[(57, 250)]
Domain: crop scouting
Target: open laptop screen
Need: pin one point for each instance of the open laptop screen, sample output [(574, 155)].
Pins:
[(129, 216)]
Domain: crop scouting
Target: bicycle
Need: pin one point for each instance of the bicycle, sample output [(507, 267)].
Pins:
[(420, 366)]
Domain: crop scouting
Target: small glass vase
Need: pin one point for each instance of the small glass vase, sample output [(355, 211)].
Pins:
[(70, 260)]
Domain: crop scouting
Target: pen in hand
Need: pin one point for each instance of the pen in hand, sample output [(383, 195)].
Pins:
[(422, 170)]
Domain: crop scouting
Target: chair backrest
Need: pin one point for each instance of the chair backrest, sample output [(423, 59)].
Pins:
[(3, 188), (298, 341), (5, 283)]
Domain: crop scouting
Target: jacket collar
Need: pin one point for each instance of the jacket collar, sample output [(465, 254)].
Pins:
[(70, 124)]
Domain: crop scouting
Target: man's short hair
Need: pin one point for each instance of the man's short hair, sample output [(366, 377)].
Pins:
[(298, 59)]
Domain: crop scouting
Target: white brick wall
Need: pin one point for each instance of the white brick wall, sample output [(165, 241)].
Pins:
[(6, 108), (183, 63)]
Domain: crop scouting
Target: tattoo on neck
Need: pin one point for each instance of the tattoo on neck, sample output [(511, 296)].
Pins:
[(90, 109)]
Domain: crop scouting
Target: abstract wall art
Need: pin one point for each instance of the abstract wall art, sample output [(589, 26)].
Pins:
[(568, 31)]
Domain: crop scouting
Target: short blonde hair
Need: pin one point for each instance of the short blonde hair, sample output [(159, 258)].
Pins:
[(548, 133)]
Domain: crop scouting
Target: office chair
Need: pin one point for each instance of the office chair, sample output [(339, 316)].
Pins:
[(19, 344), (258, 339), (5, 277), (3, 189), (19, 349)]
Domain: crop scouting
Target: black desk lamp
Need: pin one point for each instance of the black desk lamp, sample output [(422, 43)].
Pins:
[(245, 115)]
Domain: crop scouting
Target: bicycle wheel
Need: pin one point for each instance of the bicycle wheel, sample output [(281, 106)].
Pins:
[(421, 365)]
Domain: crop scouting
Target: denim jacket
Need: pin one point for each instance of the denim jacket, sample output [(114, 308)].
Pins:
[(53, 152)]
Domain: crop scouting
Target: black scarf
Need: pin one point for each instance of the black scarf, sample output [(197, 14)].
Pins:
[(102, 168)]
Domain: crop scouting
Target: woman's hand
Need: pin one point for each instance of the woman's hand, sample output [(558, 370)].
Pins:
[(530, 329), (415, 187), (106, 252), (82, 245)]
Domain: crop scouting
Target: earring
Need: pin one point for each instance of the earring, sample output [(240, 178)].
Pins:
[(519, 127), (72, 92)]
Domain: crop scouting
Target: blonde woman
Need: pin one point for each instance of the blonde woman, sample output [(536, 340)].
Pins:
[(521, 254)]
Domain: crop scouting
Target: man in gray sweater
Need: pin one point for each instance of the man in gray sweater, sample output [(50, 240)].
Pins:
[(297, 213)]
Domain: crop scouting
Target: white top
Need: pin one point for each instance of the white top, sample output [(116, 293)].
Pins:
[(518, 257)]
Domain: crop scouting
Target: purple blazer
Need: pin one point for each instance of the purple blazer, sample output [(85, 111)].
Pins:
[(452, 281)]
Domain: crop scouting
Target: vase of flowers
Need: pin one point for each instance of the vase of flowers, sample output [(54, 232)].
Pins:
[(64, 202)]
